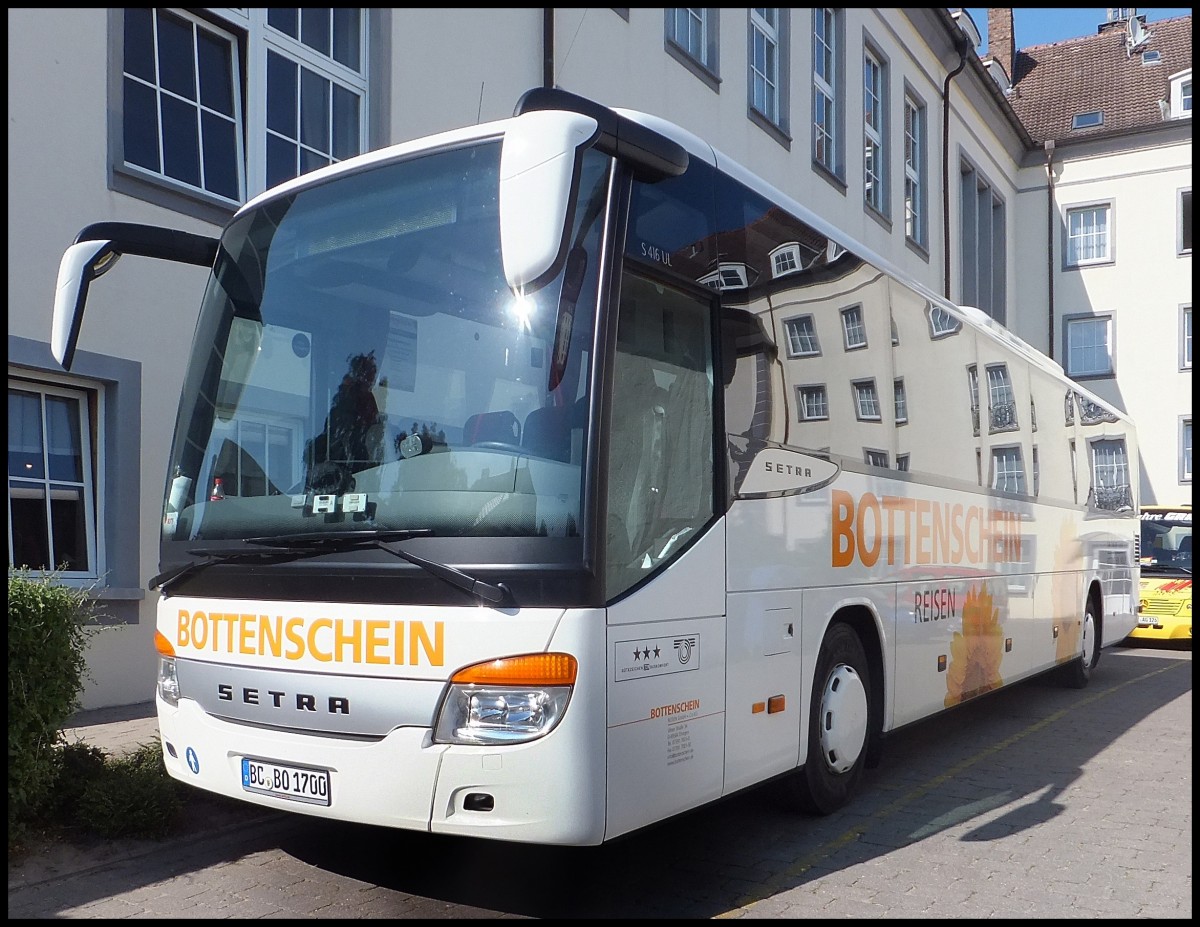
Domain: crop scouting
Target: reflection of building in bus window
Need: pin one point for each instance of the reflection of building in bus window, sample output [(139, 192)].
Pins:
[(353, 430)]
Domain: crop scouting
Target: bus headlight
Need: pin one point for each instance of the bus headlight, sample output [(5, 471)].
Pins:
[(507, 701), (168, 681)]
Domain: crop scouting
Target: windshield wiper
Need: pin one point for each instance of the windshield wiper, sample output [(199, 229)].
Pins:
[(324, 541), (284, 548), (166, 577)]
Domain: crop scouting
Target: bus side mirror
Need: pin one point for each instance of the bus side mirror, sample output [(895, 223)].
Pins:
[(538, 168), (80, 265)]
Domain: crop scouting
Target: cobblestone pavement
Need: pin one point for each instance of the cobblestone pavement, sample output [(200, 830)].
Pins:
[(1036, 802)]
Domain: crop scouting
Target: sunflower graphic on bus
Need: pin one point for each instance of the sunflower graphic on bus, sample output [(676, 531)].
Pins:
[(976, 651)]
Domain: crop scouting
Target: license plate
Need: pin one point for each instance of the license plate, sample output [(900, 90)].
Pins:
[(292, 782)]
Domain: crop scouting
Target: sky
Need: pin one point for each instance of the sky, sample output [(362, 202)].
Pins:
[(1032, 26)]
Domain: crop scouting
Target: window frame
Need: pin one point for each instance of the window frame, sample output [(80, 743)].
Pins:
[(251, 40), (859, 391), (1181, 94), (882, 459), (1001, 396), (1005, 452), (705, 65), (827, 84), (916, 231), (1072, 323), (89, 403), (860, 325), (899, 401), (815, 390), (1183, 223), (790, 324), (1185, 449), (983, 250), (876, 133), (1070, 262), (1185, 337), (777, 36)]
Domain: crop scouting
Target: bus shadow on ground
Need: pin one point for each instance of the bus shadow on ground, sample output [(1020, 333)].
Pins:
[(975, 777)]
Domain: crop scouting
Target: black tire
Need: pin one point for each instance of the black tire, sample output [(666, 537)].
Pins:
[(839, 727), (1078, 673)]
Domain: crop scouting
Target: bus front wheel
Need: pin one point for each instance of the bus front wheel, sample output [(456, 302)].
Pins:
[(1078, 673), (839, 725)]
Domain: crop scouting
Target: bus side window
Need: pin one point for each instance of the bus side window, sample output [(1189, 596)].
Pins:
[(660, 466)]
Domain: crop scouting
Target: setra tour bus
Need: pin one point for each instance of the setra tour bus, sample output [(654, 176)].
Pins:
[(546, 478)]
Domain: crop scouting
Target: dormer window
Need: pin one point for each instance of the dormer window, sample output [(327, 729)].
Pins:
[(1087, 120), (1181, 95), (727, 276)]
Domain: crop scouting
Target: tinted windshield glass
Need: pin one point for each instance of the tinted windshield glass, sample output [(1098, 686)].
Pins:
[(1167, 539), (361, 363)]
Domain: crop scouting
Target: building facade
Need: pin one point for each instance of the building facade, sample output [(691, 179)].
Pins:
[(886, 120)]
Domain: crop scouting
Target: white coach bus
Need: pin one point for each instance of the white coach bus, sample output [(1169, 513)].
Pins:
[(546, 478)]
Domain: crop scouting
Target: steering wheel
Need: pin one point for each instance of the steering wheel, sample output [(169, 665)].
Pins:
[(501, 446)]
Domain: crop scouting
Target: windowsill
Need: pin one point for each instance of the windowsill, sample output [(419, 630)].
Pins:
[(1107, 262), (772, 129), (833, 179), (117, 594), (884, 222), (917, 248)]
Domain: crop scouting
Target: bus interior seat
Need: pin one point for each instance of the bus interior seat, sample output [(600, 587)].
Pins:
[(501, 426), (547, 431), (1185, 545), (637, 463)]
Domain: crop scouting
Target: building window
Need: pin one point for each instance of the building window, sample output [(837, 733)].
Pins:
[(51, 500), (875, 458), (1089, 238), (1037, 472), (802, 336), (900, 401), (1008, 473), (973, 392), (1185, 222), (941, 322), (866, 401), (1185, 338), (694, 33), (786, 259), (1110, 475), (813, 403), (1088, 348), (875, 152), (1181, 95), (290, 82), (1185, 450), (768, 94), (902, 462), (827, 89), (182, 116), (984, 263), (914, 171), (1002, 403), (1087, 120), (854, 333), (729, 275)]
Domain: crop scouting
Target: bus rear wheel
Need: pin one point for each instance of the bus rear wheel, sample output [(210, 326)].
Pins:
[(839, 726)]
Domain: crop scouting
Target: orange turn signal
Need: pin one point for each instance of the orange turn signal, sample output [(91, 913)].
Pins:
[(531, 669), (162, 645)]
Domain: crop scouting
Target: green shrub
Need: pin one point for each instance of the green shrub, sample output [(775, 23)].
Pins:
[(47, 636), (133, 796)]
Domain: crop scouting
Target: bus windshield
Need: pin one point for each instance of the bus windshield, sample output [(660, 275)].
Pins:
[(361, 363)]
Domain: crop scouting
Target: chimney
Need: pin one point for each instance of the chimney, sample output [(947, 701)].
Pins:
[(1001, 47)]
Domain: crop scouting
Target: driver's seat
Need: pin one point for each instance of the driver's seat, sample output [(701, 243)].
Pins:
[(499, 426)]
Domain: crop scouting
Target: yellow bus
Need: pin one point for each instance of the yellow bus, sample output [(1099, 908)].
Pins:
[(1166, 584)]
